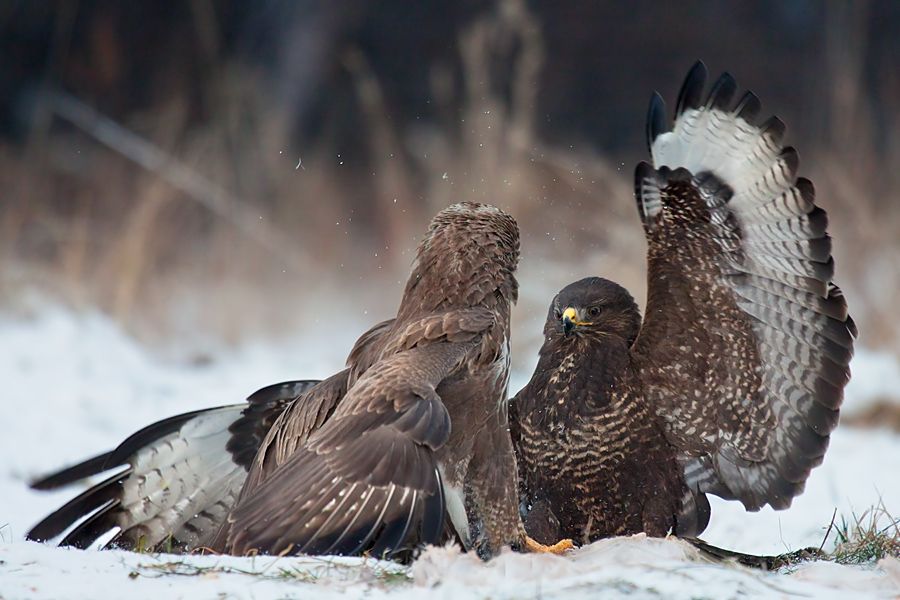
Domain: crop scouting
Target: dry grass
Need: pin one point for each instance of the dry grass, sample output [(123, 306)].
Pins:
[(867, 538), (862, 539), (149, 222), (858, 540), (227, 235), (879, 413), (301, 570)]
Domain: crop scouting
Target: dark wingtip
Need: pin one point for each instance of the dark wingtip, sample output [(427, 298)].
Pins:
[(791, 159), (642, 171), (89, 531), (818, 222), (91, 466), (76, 508), (774, 128), (656, 118), (851, 325), (722, 92), (748, 107), (807, 189), (692, 88), (282, 391)]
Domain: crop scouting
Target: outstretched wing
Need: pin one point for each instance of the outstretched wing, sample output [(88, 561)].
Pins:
[(176, 479), (746, 342), (368, 480)]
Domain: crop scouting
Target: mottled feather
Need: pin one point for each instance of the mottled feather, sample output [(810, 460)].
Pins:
[(176, 479), (415, 418), (733, 382)]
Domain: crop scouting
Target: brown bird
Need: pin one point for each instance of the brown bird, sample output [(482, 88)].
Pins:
[(732, 383), (368, 460)]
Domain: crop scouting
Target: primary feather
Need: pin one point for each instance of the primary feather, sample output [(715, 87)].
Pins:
[(175, 481), (733, 381)]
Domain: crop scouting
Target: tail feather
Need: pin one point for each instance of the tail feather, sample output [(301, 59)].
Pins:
[(757, 561)]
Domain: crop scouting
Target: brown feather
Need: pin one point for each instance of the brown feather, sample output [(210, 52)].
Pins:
[(361, 464), (734, 379)]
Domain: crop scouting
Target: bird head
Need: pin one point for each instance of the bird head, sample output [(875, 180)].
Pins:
[(593, 306), (468, 256)]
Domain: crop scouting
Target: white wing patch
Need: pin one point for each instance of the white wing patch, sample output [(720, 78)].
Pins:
[(774, 254), (181, 475)]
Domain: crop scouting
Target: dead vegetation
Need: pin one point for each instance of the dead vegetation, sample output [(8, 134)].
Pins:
[(857, 539), (328, 570), (187, 228), (879, 413), (167, 238), (866, 538)]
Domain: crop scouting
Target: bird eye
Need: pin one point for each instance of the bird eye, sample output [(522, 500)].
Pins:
[(594, 311)]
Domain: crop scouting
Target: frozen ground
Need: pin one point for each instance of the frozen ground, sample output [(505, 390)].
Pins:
[(75, 385)]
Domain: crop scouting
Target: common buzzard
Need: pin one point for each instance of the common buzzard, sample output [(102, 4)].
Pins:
[(732, 383), (368, 460)]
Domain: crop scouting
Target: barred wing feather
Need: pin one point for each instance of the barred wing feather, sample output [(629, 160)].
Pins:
[(746, 342)]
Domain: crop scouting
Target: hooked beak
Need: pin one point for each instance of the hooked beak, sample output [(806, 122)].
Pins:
[(570, 320)]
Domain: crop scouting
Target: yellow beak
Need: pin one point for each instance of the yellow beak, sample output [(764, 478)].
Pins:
[(570, 320)]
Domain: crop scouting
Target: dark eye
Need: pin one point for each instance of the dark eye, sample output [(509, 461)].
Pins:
[(594, 311)]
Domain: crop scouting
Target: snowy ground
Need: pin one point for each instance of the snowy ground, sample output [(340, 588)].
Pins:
[(75, 385)]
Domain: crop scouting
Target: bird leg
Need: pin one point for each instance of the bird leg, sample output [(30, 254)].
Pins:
[(559, 548)]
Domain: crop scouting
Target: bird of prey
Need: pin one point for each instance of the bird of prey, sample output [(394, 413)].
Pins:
[(369, 460), (732, 382)]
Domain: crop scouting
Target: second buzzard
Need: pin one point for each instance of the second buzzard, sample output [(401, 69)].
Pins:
[(732, 383), (411, 437)]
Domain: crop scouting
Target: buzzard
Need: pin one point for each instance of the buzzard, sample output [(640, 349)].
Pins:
[(369, 460), (732, 382)]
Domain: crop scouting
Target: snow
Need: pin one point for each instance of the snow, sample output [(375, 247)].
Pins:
[(876, 376), (75, 385)]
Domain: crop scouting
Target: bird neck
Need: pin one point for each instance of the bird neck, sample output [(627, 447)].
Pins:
[(447, 280)]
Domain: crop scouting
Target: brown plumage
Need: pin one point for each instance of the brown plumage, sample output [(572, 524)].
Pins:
[(732, 383), (368, 460), (371, 478)]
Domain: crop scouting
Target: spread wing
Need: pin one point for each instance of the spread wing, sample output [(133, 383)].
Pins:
[(367, 481), (746, 341), (175, 480)]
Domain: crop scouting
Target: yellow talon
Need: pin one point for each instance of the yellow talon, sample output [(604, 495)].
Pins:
[(559, 548)]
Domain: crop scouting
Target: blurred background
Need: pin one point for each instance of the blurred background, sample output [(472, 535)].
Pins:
[(212, 171)]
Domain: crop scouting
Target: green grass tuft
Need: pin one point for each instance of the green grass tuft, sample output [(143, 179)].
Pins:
[(867, 538)]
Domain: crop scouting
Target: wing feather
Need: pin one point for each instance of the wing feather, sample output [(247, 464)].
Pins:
[(368, 480), (182, 477), (742, 312)]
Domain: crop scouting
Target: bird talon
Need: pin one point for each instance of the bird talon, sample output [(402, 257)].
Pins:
[(559, 548)]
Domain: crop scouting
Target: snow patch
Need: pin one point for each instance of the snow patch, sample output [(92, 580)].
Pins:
[(76, 385)]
